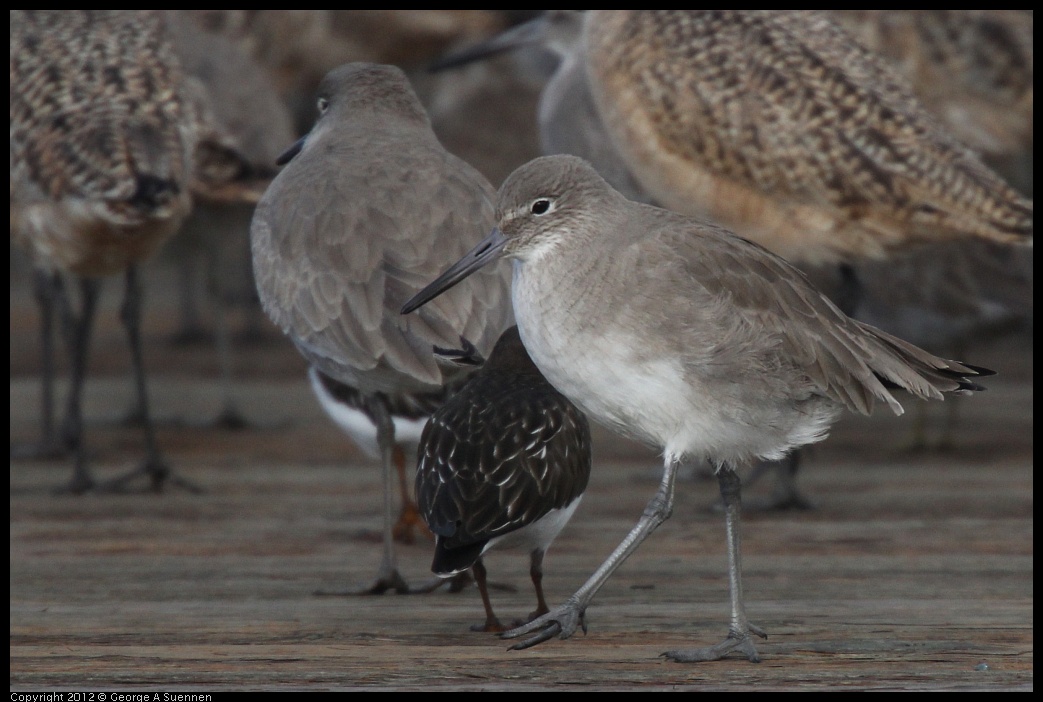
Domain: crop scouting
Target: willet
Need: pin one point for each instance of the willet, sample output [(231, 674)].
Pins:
[(103, 144), (364, 212), (679, 333), (502, 464)]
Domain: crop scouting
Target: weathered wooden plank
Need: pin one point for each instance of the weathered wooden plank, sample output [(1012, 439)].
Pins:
[(914, 571)]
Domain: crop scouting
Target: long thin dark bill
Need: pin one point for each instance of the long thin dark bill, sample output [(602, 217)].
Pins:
[(294, 149), (525, 34), (487, 251)]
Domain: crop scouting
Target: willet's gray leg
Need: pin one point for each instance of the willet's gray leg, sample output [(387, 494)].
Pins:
[(738, 638), (388, 577), (562, 621)]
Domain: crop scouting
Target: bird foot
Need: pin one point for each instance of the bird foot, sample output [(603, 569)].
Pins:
[(408, 520), (81, 483), (457, 583), (561, 621), (42, 450), (783, 502), (231, 418), (741, 643), (490, 626), (159, 475), (391, 580)]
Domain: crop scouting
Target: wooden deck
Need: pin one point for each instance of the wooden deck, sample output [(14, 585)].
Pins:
[(915, 572)]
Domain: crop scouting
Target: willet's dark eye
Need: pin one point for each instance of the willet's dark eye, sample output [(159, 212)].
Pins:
[(540, 206), (323, 105)]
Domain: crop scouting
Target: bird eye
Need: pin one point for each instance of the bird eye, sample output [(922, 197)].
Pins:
[(323, 104), (540, 206)]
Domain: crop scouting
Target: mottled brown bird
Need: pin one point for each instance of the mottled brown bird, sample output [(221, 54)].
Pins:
[(366, 210), (103, 146), (972, 69), (780, 126)]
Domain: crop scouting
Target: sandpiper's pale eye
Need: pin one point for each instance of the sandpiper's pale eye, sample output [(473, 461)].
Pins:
[(323, 105), (541, 206)]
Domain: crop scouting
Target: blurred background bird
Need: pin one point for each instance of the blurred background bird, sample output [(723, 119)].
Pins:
[(105, 135)]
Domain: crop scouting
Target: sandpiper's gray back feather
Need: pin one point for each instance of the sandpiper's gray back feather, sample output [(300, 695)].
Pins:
[(359, 220)]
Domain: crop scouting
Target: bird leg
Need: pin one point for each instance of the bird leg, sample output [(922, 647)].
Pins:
[(785, 495), (155, 467), (49, 291), (193, 331), (77, 331), (536, 573), (388, 577), (738, 638), (231, 417), (491, 622), (409, 517), (562, 621)]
